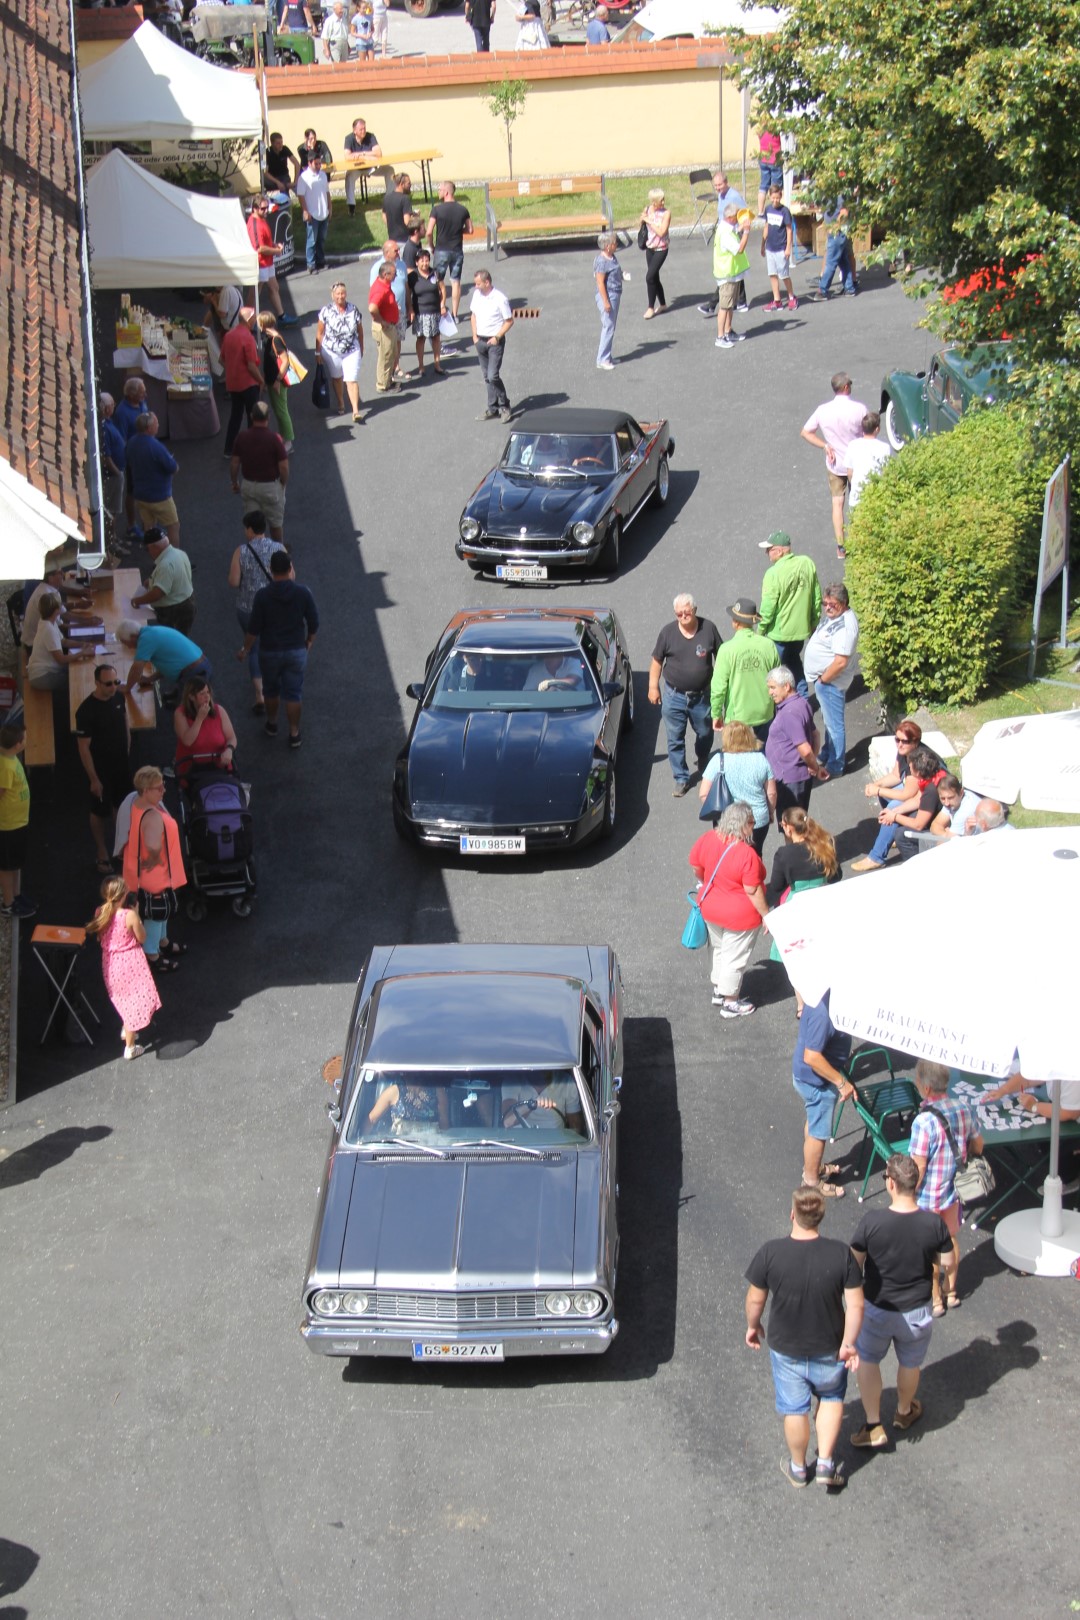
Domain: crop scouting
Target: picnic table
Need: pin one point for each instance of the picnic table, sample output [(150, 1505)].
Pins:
[(1006, 1130), (342, 166), (111, 607)]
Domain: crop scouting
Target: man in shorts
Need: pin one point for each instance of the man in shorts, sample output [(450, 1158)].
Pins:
[(815, 1297), (730, 265), (284, 621), (104, 739), (453, 222), (819, 1075), (14, 822), (832, 428), (777, 247), (900, 1249), (152, 470)]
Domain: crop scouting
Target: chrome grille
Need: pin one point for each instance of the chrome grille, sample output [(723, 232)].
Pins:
[(456, 1308)]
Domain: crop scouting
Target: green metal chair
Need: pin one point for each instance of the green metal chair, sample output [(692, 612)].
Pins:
[(882, 1109), (857, 1055)]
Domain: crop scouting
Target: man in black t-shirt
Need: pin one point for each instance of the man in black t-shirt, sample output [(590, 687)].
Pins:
[(104, 740), (453, 222), (398, 210), (815, 1300), (680, 677), (363, 142), (281, 166), (900, 1250)]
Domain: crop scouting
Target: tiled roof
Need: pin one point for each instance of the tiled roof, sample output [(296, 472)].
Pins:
[(43, 420)]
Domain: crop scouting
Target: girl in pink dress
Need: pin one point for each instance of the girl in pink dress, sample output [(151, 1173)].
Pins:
[(128, 979)]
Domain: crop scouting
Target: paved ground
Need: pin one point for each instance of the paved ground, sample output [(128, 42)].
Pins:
[(169, 1445)]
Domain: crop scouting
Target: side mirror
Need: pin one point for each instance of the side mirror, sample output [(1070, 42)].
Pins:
[(333, 1112), (415, 690), (612, 689)]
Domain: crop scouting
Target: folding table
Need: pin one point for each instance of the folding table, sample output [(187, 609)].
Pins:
[(69, 941)]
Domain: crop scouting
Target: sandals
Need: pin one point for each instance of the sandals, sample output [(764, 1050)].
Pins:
[(953, 1301), (827, 1189), (438, 370), (169, 947), (828, 1170), (162, 964), (937, 1309)]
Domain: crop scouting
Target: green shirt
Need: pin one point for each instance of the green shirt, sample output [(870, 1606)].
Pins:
[(738, 684), (172, 574), (790, 599)]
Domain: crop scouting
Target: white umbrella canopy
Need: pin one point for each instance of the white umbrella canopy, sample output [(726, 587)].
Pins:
[(965, 955), (152, 90), (31, 527), (1035, 758)]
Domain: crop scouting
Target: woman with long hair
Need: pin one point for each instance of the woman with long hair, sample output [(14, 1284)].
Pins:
[(129, 982), (806, 860), (275, 364), (732, 900), (203, 730)]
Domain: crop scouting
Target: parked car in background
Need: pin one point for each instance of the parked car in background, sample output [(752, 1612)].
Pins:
[(933, 401), (468, 1207)]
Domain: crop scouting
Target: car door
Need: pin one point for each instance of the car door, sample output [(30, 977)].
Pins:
[(935, 398), (633, 465), (596, 1067), (600, 656)]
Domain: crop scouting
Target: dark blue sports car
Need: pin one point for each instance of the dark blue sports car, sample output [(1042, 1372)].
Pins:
[(512, 747), (569, 485)]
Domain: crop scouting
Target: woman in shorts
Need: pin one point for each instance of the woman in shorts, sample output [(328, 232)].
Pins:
[(339, 343)]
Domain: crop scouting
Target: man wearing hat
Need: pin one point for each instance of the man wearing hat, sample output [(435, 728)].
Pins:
[(790, 603), (169, 591), (739, 689)]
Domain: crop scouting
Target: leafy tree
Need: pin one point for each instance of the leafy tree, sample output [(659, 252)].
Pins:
[(957, 124), (506, 100)]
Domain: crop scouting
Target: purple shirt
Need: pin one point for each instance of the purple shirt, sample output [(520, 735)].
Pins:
[(793, 723)]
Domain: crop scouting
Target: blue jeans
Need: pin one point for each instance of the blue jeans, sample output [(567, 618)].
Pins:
[(283, 673), (678, 711), (891, 833), (791, 656), (834, 748), (798, 1380), (838, 256), (316, 243), (254, 667), (607, 330)]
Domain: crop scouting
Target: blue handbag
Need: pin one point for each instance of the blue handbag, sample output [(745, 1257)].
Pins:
[(696, 931)]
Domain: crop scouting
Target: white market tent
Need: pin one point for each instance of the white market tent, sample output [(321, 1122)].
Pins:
[(146, 233), (149, 89)]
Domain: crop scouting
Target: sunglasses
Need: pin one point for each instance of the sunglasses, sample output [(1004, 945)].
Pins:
[(108, 683), (903, 742)]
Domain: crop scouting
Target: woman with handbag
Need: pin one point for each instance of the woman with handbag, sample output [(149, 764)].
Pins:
[(656, 223), (747, 774), (732, 902), (339, 344), (129, 982), (943, 1137), (154, 867), (275, 364)]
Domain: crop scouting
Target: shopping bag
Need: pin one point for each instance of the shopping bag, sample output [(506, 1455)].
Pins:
[(695, 933), (294, 371), (320, 388), (447, 327)]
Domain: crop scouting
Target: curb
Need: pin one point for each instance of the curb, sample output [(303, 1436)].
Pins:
[(13, 1021)]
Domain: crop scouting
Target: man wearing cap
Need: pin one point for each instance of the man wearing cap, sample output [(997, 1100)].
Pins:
[(243, 372), (679, 677), (313, 192), (739, 688), (790, 603), (169, 592)]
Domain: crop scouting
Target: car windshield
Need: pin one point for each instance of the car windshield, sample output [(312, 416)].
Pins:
[(514, 680), (550, 455), (442, 1108)]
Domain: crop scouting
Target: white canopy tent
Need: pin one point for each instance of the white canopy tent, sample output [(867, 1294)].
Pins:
[(31, 526), (151, 90), (146, 233)]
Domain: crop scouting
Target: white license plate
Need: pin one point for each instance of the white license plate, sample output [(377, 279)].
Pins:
[(521, 571), (479, 844), (422, 1351)]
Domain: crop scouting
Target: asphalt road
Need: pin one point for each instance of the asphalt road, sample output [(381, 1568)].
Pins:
[(170, 1447)]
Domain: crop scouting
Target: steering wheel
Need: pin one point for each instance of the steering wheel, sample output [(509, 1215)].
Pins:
[(594, 461), (527, 1106)]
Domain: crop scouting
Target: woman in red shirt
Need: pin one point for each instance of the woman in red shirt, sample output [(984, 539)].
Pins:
[(204, 731), (732, 901)]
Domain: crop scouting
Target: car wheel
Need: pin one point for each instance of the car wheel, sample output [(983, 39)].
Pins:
[(892, 429), (607, 826), (421, 8), (401, 826), (628, 706), (609, 557), (662, 488)]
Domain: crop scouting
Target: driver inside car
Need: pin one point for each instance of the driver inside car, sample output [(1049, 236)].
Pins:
[(555, 673), (554, 1106), (593, 453)]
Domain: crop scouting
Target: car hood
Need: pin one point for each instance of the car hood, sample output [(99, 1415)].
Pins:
[(469, 1222), (501, 768), (510, 504)]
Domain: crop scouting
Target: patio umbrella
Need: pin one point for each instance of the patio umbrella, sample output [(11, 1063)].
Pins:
[(964, 955), (1035, 758)]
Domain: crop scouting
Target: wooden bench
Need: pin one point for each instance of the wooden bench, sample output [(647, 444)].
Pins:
[(552, 224), (38, 719)]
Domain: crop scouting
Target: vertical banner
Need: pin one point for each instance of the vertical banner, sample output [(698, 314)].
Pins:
[(1053, 556)]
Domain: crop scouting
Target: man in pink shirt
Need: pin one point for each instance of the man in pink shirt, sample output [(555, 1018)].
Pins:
[(832, 428)]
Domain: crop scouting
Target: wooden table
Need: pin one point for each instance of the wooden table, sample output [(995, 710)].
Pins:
[(394, 160), (111, 607)]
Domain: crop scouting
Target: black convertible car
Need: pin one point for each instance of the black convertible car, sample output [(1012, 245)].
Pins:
[(569, 484), (512, 747)]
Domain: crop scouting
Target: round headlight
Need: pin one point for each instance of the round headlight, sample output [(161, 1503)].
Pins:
[(557, 1304), (583, 534), (326, 1302), (588, 1303), (355, 1304), (469, 529)]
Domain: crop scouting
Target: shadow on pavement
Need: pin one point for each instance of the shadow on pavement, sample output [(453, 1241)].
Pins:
[(29, 1162)]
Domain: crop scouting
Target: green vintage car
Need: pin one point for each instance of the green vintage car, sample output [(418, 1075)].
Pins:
[(914, 403)]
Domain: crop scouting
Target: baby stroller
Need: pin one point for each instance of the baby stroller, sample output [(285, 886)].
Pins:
[(216, 827)]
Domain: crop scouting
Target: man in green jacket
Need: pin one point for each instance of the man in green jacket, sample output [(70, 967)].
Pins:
[(739, 690), (790, 603)]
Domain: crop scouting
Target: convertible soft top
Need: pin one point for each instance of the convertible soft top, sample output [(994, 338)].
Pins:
[(570, 419)]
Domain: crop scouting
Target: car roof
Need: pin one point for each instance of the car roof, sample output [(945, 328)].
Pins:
[(476, 1019), (570, 419), (522, 628), (983, 366)]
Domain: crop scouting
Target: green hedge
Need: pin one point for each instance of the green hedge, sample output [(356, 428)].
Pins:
[(943, 550)]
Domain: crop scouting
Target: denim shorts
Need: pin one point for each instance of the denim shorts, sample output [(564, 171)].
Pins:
[(283, 673), (772, 174), (797, 1381), (907, 1331), (448, 264), (820, 1102)]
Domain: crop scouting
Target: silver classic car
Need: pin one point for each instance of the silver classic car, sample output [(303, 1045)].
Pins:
[(468, 1207)]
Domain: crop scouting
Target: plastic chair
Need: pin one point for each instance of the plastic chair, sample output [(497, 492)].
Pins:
[(704, 199), (881, 1110), (857, 1055)]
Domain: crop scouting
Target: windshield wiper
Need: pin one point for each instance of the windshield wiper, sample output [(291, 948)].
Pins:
[(402, 1142), (511, 1147)]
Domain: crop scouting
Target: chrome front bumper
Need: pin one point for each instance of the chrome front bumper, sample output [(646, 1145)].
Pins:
[(334, 1339)]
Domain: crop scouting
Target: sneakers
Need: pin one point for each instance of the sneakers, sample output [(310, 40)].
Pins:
[(737, 337), (19, 907), (741, 309), (288, 320), (871, 1435), (773, 304), (295, 740), (723, 343), (487, 416), (732, 1008), (132, 1052), (601, 365), (904, 1420), (708, 310), (794, 1476), (829, 1473), (679, 789), (506, 414), (818, 297), (271, 728), (793, 303)]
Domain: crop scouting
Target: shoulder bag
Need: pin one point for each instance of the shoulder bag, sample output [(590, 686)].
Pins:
[(974, 1178), (642, 235), (718, 797), (696, 932), (291, 371)]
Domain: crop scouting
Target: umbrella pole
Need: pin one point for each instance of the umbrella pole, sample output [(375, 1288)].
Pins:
[(1051, 1224)]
